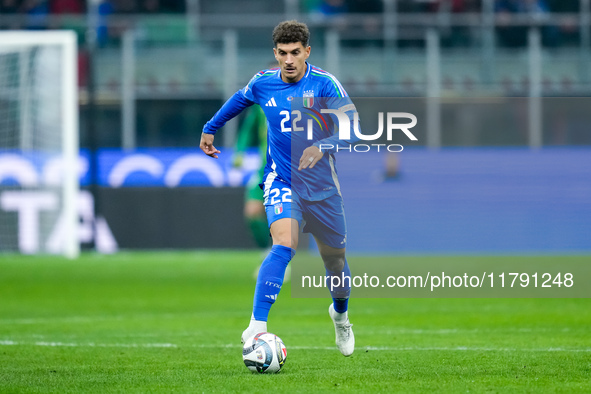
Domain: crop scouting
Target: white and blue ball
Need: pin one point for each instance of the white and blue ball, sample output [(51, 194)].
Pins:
[(264, 353)]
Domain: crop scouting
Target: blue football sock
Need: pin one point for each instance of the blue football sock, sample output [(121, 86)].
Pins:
[(340, 288), (270, 280)]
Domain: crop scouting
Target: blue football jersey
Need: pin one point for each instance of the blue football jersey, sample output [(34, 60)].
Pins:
[(284, 150)]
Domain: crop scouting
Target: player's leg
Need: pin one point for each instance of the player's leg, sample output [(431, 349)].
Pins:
[(326, 221), (338, 280), (284, 232), (338, 276), (270, 278)]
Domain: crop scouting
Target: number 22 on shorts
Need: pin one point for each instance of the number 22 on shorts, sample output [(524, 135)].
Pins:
[(275, 193)]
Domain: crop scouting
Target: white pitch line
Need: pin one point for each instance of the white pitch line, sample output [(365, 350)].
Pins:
[(88, 344), (457, 348), (73, 319), (446, 331), (390, 331), (93, 319), (8, 342)]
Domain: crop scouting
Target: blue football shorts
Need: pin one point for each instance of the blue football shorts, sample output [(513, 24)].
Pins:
[(325, 219)]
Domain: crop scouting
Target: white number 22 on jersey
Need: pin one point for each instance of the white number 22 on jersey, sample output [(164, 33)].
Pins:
[(286, 115)]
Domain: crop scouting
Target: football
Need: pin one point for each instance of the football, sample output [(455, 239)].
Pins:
[(264, 353)]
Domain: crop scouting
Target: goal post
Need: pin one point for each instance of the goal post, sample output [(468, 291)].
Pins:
[(39, 147)]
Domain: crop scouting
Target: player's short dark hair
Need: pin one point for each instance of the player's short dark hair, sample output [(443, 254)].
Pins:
[(291, 31)]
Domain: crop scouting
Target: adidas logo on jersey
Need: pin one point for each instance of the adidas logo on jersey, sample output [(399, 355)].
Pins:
[(271, 103), (272, 296)]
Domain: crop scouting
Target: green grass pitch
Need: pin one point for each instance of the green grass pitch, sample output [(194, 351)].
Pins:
[(171, 322)]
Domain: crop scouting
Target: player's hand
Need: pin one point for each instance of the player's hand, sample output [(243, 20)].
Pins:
[(206, 145), (310, 157)]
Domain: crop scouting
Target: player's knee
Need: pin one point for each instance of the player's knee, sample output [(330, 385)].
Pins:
[(286, 240), (334, 262), (285, 233)]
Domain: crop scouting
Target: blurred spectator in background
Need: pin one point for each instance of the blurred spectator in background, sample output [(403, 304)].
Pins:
[(459, 35), (451, 35), (331, 8), (103, 35), (37, 12), (417, 5), (9, 6), (66, 6), (332, 11), (173, 6), (516, 35), (150, 7), (371, 25), (413, 36), (572, 6), (335, 11), (124, 6), (365, 6), (309, 6), (568, 28)]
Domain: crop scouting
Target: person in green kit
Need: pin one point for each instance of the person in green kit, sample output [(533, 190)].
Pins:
[(253, 132)]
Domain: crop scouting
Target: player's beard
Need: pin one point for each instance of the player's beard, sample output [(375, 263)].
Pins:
[(291, 73)]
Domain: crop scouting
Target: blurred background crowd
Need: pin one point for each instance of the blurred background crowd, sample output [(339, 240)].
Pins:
[(40, 14), (187, 56)]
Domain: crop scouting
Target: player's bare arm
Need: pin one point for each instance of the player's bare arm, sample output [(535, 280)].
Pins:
[(207, 147)]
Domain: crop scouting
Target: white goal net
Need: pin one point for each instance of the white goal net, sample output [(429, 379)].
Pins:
[(38, 142)]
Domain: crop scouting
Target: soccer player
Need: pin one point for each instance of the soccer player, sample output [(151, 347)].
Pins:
[(299, 191)]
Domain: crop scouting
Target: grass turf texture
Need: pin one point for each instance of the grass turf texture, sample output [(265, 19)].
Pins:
[(163, 322)]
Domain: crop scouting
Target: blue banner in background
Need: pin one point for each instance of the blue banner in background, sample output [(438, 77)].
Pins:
[(38, 168), (173, 168), (159, 167)]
